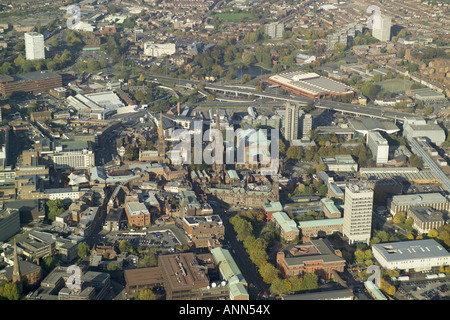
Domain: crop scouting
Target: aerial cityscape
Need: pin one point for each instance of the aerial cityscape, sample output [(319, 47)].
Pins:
[(224, 150)]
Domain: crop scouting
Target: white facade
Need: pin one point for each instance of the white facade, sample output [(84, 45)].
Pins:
[(63, 193), (291, 122), (274, 30), (418, 255), (421, 128), (379, 147), (76, 159), (159, 50), (358, 206), (34, 46), (382, 27)]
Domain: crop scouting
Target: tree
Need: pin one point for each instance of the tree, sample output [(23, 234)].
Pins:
[(148, 260), (131, 153), (399, 217), (248, 59), (294, 152), (433, 233), (269, 273), (415, 161), (310, 281), (113, 266), (7, 68), (280, 287), (321, 167), (359, 255), (246, 78), (242, 227), (428, 110), (296, 283), (49, 263), (369, 89), (54, 42), (282, 147), (9, 291), (55, 208), (125, 246), (145, 295), (83, 249), (409, 222)]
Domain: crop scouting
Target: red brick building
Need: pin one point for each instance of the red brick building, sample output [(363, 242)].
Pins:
[(315, 256)]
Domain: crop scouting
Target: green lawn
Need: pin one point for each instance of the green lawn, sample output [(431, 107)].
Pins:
[(396, 85), (234, 17)]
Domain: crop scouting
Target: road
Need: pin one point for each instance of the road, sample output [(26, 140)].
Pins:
[(373, 112), (240, 255)]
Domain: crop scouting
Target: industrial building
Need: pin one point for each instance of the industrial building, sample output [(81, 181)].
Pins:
[(422, 128), (401, 203), (418, 255), (344, 163), (310, 84), (35, 82), (158, 50), (364, 125)]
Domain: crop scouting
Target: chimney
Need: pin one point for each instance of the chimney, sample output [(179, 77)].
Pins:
[(306, 239), (338, 253), (178, 108)]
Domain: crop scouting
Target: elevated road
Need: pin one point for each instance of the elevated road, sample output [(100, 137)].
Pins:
[(236, 90)]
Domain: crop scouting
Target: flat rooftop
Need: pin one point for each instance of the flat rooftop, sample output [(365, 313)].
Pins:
[(418, 199), (365, 125), (310, 82), (411, 250)]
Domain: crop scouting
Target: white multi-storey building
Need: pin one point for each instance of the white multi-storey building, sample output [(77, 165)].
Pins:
[(291, 120), (274, 30), (379, 147), (358, 206), (382, 27), (158, 50), (73, 155), (418, 255), (34, 46)]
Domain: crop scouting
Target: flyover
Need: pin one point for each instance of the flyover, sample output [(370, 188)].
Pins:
[(358, 110)]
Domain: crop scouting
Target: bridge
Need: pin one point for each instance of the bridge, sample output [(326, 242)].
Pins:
[(357, 110)]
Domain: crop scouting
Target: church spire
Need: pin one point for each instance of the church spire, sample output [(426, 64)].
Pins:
[(16, 276)]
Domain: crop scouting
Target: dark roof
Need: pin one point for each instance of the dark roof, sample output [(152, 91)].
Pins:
[(323, 295), (317, 250), (25, 268), (37, 75)]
